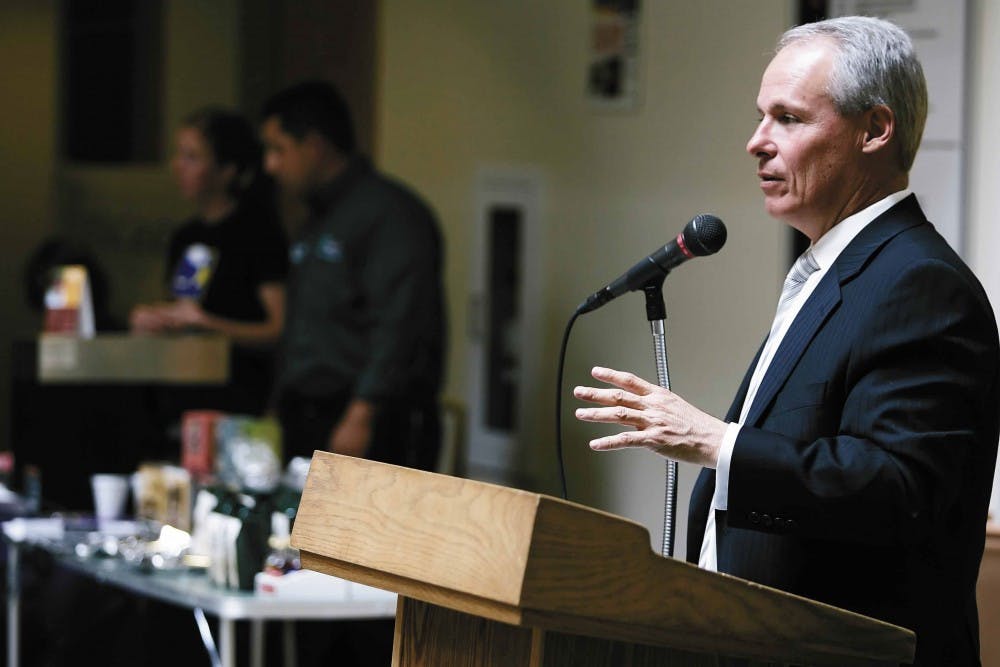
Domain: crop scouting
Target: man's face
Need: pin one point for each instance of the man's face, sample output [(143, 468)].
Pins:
[(809, 155), (292, 163)]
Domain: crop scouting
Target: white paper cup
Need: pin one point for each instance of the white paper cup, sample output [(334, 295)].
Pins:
[(110, 495)]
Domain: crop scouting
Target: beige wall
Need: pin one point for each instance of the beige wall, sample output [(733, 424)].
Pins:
[(465, 84), (128, 211), (123, 213), (984, 141), (983, 161), (27, 148)]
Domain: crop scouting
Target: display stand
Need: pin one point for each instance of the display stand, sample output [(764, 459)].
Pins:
[(181, 359), (106, 404)]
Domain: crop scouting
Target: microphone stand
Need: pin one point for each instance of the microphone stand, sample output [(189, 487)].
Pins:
[(656, 313)]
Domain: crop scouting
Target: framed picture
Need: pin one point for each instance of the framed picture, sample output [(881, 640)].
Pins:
[(612, 67)]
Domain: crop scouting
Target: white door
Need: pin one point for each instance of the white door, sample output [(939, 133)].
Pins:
[(504, 318)]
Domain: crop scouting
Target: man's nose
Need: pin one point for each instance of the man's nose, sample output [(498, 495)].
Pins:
[(759, 144)]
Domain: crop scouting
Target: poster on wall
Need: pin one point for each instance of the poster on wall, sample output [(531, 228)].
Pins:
[(939, 34), (613, 60)]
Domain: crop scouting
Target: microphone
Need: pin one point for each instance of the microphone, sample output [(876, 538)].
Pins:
[(703, 235)]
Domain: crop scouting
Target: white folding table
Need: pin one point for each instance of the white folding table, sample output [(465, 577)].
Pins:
[(191, 590)]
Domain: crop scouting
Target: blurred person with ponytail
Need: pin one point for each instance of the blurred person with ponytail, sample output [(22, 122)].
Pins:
[(226, 266)]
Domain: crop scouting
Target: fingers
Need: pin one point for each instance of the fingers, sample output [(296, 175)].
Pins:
[(625, 404), (608, 397), (146, 319), (660, 420), (618, 441), (623, 379), (182, 313), (631, 389), (614, 415)]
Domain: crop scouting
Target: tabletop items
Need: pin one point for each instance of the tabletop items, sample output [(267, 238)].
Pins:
[(240, 533)]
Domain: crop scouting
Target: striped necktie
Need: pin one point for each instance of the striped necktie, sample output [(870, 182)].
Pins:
[(803, 267)]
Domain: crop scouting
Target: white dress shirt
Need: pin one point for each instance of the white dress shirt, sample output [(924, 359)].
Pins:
[(825, 251)]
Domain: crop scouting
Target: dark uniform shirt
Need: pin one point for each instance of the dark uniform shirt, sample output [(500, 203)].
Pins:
[(365, 314)]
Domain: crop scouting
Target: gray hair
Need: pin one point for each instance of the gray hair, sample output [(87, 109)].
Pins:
[(875, 64)]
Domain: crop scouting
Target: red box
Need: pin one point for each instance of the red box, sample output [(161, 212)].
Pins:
[(198, 442)]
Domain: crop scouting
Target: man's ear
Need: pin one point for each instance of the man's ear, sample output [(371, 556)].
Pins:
[(880, 128)]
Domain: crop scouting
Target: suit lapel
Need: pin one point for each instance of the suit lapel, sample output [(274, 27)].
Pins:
[(741, 394), (823, 300), (826, 296)]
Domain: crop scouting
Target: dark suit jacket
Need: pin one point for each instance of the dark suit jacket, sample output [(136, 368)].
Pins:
[(862, 475)]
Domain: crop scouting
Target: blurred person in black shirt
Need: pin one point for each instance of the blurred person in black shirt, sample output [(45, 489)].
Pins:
[(226, 266)]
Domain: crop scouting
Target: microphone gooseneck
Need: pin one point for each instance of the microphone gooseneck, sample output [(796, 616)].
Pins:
[(704, 235)]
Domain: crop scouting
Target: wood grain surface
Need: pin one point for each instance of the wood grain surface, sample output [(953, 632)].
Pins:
[(526, 559)]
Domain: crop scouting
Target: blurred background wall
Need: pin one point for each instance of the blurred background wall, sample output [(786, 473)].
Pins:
[(441, 91)]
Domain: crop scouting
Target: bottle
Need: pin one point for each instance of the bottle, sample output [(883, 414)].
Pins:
[(282, 557), (276, 563), (32, 489)]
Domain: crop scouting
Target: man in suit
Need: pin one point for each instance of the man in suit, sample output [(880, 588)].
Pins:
[(855, 464)]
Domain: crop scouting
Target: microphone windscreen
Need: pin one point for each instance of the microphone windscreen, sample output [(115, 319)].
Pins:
[(704, 235)]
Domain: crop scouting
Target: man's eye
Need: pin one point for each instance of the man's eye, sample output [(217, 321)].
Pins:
[(787, 118)]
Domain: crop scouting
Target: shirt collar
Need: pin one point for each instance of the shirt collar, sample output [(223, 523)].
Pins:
[(323, 198), (829, 246)]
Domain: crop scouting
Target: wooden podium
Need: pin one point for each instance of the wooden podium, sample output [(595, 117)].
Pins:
[(493, 576)]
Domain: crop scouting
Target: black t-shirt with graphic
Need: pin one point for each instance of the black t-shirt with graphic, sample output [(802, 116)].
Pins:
[(248, 249)]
